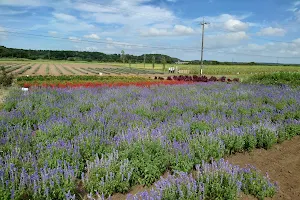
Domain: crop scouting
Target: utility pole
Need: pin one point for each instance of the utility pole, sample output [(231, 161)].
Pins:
[(144, 60), (202, 48)]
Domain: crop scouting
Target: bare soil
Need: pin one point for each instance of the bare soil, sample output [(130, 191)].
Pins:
[(282, 163), (53, 70), (42, 70), (30, 71), (65, 72)]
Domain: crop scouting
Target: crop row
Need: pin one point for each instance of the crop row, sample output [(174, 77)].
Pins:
[(58, 70), (14, 68), (36, 69), (8, 66), (125, 70), (80, 71), (68, 70), (89, 70), (23, 70), (48, 69), (66, 143)]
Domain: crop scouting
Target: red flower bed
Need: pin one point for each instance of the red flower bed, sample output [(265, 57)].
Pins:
[(95, 84)]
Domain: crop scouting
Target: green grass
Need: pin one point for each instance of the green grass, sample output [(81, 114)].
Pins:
[(3, 93), (287, 78), (237, 70), (77, 79)]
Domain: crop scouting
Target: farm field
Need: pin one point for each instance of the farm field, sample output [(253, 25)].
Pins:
[(67, 143), (57, 69), (116, 69)]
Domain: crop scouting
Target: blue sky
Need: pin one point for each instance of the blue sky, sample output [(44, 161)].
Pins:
[(239, 30)]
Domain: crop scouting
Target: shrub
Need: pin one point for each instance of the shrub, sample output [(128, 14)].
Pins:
[(5, 79)]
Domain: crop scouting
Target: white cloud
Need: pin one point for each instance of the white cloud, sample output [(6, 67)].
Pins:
[(131, 13), (227, 22), (225, 40), (92, 36), (74, 39), (297, 41), (180, 29), (113, 44), (177, 30), (2, 34), (9, 11), (270, 31), (92, 49), (53, 33), (235, 25), (295, 9), (278, 49), (65, 17), (21, 2)]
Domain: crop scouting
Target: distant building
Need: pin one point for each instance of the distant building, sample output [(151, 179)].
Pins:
[(181, 63)]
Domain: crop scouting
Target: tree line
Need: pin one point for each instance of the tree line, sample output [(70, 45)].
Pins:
[(83, 56)]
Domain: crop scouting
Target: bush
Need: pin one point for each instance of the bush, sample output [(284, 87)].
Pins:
[(5, 79)]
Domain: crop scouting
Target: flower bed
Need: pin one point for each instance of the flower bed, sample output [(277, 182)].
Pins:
[(66, 143)]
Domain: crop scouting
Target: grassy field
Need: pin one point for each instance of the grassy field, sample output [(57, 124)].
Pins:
[(219, 69)]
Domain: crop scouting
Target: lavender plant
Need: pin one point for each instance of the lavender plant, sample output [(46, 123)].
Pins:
[(106, 140)]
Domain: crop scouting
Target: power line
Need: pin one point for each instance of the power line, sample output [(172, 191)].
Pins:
[(115, 43), (145, 46)]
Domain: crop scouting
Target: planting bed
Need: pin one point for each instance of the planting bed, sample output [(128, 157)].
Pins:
[(64, 143)]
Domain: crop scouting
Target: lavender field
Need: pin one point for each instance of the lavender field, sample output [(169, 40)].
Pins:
[(92, 143)]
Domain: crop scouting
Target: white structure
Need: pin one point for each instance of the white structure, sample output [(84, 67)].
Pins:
[(24, 89)]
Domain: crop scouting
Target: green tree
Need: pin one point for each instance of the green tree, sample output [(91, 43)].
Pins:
[(123, 56), (153, 62), (144, 60), (164, 63)]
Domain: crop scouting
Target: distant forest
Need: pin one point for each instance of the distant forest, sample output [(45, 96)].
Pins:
[(81, 56), (102, 57)]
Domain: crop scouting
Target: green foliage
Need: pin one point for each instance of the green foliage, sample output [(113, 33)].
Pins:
[(199, 127), (5, 79), (149, 160), (265, 138), (123, 56), (153, 62), (288, 78), (164, 62), (253, 184)]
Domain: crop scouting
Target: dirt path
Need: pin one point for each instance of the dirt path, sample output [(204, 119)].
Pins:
[(282, 163)]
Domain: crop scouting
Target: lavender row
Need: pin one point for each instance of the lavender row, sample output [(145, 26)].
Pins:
[(218, 180), (111, 139)]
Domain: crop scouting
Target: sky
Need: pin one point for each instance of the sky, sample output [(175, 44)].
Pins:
[(238, 30)]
